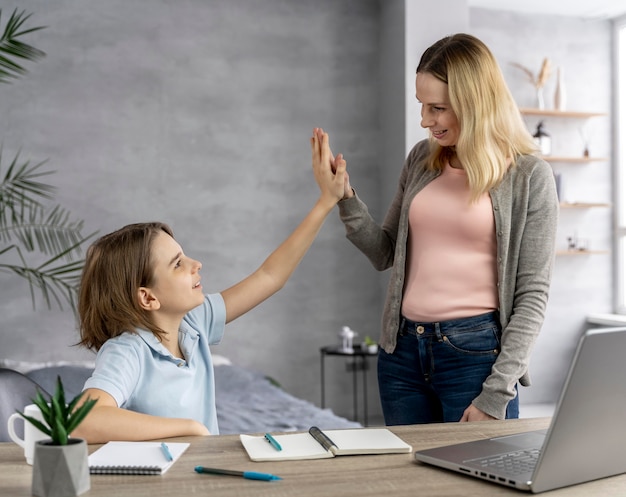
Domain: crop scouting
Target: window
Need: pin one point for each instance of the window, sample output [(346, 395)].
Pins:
[(619, 157)]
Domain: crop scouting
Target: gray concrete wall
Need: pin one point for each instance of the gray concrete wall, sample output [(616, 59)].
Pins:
[(198, 113)]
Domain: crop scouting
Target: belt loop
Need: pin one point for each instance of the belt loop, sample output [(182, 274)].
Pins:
[(438, 332), (402, 324)]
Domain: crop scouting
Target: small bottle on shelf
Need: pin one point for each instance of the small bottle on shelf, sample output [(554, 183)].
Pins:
[(542, 139)]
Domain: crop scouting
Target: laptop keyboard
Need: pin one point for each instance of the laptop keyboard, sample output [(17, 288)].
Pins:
[(513, 463)]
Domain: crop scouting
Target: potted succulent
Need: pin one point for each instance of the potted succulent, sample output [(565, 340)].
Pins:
[(60, 464), (370, 345)]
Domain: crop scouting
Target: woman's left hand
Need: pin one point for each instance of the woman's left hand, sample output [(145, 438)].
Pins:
[(472, 413)]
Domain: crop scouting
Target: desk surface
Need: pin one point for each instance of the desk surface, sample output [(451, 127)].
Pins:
[(378, 475)]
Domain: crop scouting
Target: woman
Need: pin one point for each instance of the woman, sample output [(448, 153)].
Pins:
[(469, 238)]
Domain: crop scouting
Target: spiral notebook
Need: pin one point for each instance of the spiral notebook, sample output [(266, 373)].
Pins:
[(134, 458)]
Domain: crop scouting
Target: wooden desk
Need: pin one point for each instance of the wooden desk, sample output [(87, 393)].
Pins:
[(395, 475)]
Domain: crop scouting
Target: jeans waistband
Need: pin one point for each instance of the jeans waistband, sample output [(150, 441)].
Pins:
[(432, 328)]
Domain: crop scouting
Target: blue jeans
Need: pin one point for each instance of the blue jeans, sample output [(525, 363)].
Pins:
[(437, 369)]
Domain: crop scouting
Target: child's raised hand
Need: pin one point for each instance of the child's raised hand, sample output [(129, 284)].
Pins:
[(330, 171)]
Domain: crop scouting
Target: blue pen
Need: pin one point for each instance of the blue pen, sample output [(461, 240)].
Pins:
[(166, 451), (250, 475), (273, 441)]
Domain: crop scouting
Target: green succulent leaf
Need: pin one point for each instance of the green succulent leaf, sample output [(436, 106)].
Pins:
[(79, 414), (37, 424), (60, 419)]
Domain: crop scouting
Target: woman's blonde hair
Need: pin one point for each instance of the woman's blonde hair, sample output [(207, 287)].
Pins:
[(492, 131), (116, 266)]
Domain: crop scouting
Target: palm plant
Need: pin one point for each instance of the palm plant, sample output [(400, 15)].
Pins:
[(38, 242)]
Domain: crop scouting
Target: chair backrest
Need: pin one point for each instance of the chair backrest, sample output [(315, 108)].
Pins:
[(16, 392)]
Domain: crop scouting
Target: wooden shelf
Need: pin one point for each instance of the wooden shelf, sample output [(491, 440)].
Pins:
[(574, 160), (582, 205), (559, 113), (581, 252)]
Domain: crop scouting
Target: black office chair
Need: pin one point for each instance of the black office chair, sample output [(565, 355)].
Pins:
[(16, 392)]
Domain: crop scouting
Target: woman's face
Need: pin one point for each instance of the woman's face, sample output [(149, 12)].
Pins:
[(437, 114)]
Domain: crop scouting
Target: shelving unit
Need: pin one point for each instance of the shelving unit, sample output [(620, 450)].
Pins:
[(560, 113), (574, 160), (565, 159), (581, 252), (582, 205)]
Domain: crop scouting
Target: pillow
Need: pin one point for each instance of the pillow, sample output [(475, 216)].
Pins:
[(26, 366)]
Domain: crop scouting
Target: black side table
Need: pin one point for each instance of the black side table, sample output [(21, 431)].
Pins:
[(361, 363)]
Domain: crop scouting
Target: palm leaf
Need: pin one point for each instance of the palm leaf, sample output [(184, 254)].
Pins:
[(20, 186), (56, 282), (12, 48), (35, 229), (29, 229)]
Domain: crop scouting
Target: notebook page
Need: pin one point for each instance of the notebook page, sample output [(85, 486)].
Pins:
[(134, 458)]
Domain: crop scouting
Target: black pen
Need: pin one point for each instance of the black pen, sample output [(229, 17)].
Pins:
[(250, 475), (322, 438)]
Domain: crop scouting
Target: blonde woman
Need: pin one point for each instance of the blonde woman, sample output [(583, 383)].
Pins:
[(469, 238)]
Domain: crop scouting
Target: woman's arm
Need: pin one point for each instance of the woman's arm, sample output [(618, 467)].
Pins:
[(530, 258), (107, 422), (272, 275)]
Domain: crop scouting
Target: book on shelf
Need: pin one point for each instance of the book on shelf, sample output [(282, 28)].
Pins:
[(318, 444)]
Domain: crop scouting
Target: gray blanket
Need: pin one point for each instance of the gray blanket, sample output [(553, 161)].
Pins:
[(247, 401)]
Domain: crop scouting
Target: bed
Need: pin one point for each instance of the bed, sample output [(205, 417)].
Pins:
[(247, 401)]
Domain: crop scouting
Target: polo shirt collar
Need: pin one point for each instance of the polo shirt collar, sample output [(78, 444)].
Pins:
[(187, 338)]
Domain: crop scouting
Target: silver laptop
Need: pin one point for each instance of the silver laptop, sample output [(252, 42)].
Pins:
[(586, 439)]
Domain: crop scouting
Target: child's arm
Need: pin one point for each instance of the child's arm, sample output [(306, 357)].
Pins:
[(278, 267), (107, 422)]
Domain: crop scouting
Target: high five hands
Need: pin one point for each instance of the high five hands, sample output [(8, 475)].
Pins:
[(335, 164)]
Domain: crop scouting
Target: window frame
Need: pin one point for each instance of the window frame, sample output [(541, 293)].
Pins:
[(619, 161)]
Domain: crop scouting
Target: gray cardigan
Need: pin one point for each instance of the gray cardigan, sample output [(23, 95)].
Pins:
[(525, 208)]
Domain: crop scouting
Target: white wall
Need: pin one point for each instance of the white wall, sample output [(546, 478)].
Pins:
[(581, 284)]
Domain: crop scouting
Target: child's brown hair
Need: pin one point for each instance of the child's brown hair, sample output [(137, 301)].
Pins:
[(116, 266)]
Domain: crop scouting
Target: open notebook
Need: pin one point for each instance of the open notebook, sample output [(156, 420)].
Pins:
[(134, 458), (308, 445)]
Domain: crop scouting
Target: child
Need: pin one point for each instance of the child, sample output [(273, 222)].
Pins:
[(142, 307)]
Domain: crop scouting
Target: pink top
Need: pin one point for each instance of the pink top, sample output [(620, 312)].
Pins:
[(451, 263)]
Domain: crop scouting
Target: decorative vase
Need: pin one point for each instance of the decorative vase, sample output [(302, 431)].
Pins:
[(540, 103), (60, 470), (559, 92)]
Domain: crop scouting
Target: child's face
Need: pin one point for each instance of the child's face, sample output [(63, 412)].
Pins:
[(176, 283)]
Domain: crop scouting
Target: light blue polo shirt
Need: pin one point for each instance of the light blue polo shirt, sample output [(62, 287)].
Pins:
[(143, 376)]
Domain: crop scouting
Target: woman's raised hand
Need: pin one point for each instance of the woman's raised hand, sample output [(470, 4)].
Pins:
[(325, 162)]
